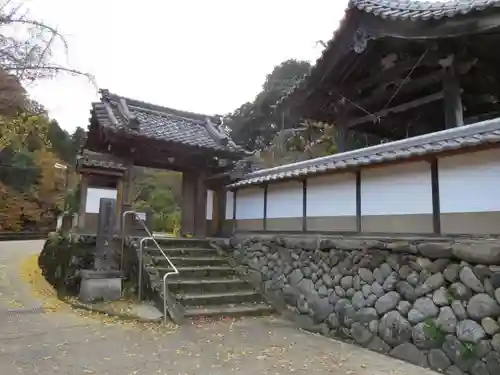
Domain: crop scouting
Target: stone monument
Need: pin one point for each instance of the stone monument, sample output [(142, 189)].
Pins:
[(104, 282)]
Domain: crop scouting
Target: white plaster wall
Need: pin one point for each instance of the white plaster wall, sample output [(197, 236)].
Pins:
[(397, 190), (210, 203), (284, 199), (94, 196), (331, 195), (470, 182), (229, 205), (250, 203)]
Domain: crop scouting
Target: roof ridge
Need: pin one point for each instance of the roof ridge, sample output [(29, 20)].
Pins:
[(106, 94)]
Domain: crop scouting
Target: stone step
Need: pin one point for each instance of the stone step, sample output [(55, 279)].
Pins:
[(239, 296), (191, 261), (182, 284), (229, 310), (182, 251), (197, 271), (182, 242)]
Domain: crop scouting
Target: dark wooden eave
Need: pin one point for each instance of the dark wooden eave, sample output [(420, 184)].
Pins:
[(357, 44)]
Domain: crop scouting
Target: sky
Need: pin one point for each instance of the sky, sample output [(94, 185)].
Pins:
[(195, 55)]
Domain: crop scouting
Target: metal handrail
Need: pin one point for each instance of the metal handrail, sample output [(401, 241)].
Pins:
[(141, 247), (123, 235)]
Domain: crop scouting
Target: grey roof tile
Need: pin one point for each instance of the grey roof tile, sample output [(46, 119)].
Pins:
[(486, 132), (163, 123), (91, 159)]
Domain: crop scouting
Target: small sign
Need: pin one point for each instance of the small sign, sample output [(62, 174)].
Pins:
[(140, 216)]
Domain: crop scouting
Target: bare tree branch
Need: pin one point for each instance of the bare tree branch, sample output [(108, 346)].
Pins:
[(28, 54)]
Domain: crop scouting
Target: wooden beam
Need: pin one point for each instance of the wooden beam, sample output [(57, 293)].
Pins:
[(381, 93), (397, 109), (103, 171), (453, 110), (377, 75)]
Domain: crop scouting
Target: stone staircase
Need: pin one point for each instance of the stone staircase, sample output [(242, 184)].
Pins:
[(206, 286)]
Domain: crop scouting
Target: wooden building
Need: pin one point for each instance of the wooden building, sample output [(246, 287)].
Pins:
[(401, 68), (148, 135), (421, 74)]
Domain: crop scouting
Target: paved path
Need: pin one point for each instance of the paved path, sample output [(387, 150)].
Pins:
[(68, 343)]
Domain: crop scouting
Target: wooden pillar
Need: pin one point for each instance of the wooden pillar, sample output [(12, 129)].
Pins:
[(235, 222), (264, 215), (342, 130), (341, 138), (304, 205), (219, 210), (127, 192), (358, 201), (436, 206), (119, 204), (188, 203), (453, 110), (200, 209), (83, 201)]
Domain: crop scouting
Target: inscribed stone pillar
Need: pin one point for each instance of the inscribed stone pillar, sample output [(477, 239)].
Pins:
[(105, 258), (104, 282), (188, 202)]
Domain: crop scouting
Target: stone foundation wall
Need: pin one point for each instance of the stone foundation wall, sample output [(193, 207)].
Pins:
[(441, 310)]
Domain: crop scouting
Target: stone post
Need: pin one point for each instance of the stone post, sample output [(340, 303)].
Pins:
[(105, 258), (104, 282)]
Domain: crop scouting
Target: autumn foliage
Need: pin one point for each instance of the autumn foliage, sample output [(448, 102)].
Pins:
[(32, 190)]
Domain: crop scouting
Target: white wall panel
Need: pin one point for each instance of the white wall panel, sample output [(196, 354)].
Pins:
[(229, 205), (285, 200), (470, 182), (210, 203), (94, 196), (250, 203), (332, 195), (397, 189)]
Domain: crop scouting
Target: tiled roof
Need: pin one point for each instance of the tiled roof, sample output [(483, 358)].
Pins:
[(91, 159), (421, 10), (162, 123), (486, 132), (403, 10)]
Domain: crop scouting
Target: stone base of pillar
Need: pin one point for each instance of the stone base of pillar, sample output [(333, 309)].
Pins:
[(100, 286)]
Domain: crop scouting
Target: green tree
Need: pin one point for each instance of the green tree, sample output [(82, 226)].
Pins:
[(254, 124), (60, 141)]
